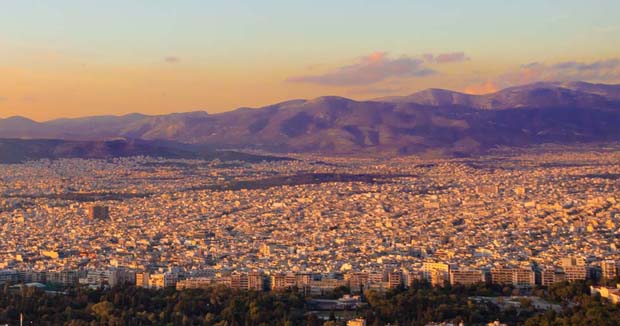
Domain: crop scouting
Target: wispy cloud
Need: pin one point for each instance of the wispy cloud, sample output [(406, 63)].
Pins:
[(172, 59), (367, 70), (607, 70), (445, 57), (2, 98)]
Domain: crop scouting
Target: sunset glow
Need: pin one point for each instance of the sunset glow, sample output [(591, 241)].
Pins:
[(67, 58)]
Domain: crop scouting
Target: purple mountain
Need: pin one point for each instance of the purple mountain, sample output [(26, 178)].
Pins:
[(431, 120)]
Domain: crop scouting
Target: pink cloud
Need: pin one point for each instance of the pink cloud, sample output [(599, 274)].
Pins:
[(451, 57), (369, 69), (375, 57), (445, 57), (428, 57)]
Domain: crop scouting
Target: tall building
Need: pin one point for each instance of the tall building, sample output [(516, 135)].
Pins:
[(282, 281), (395, 279), (33, 276), (439, 278), (436, 273), (517, 276), (303, 279), (142, 280), (574, 268), (501, 275), (162, 280), (290, 280), (375, 278), (278, 282), (251, 281), (64, 277), (358, 280), (325, 285), (609, 269), (239, 281), (122, 277), (256, 281), (96, 278), (550, 275), (466, 277), (573, 261), (524, 277), (195, 283)]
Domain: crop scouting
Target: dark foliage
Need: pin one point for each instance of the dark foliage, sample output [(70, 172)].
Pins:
[(417, 305)]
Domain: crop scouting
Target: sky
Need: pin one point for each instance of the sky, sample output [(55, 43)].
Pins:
[(71, 58)]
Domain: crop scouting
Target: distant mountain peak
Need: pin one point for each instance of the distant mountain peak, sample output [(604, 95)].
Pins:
[(432, 119), (18, 118), (196, 114), (330, 99)]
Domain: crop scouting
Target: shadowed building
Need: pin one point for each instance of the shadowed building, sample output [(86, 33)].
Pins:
[(99, 212)]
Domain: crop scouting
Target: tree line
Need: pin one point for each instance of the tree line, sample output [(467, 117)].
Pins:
[(417, 305)]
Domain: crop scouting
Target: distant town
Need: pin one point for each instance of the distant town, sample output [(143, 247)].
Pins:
[(523, 219)]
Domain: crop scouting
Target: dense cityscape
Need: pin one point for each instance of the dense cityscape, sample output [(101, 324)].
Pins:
[(526, 219), (309, 163)]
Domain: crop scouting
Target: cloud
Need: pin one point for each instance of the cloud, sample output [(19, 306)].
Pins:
[(595, 67), (428, 57), (607, 70), (172, 59), (446, 57), (2, 98), (367, 70)]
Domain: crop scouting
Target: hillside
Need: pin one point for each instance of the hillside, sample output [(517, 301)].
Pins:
[(432, 120), (20, 150)]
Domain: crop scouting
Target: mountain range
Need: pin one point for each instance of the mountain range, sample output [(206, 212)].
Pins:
[(434, 120)]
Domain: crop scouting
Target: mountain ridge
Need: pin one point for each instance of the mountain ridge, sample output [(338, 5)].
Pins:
[(430, 120)]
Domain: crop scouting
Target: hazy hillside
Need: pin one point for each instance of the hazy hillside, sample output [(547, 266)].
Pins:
[(431, 120), (20, 150)]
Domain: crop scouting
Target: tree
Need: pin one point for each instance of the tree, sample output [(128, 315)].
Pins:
[(312, 320), (103, 309)]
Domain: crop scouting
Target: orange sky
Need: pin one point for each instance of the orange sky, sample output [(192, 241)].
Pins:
[(62, 87), (72, 89), (69, 58)]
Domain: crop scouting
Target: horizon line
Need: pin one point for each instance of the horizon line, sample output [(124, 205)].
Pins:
[(374, 99)]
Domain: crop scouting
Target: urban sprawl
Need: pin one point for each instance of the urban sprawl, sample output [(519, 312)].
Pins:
[(530, 218)]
